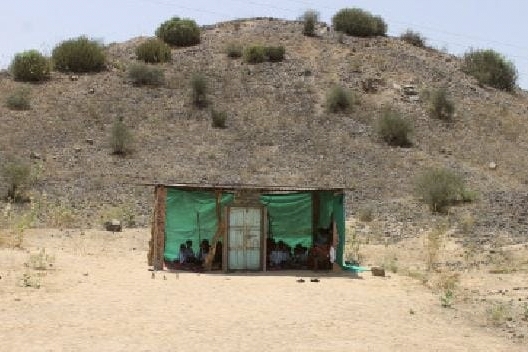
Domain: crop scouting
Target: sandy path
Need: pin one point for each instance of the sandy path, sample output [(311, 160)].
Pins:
[(95, 301)]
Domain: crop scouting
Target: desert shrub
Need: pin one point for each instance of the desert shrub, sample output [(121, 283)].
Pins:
[(17, 176), (146, 75), (79, 55), (121, 138), (394, 129), (310, 19), (153, 51), (254, 54), (339, 99), (439, 188), (199, 90), (234, 50), (490, 68), (30, 66), (179, 32), (413, 38), (19, 99), (359, 23), (275, 53), (441, 106), (219, 118)]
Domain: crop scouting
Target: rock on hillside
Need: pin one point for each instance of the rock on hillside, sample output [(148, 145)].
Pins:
[(278, 131)]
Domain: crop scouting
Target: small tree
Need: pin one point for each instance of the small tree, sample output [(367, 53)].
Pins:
[(339, 99), (255, 54), (275, 53), (394, 129), (30, 66), (79, 55), (439, 188), (413, 38), (19, 99), (153, 51), (121, 138), (359, 23), (441, 106), (179, 32), (490, 68), (199, 90), (146, 75), (17, 176), (310, 19)]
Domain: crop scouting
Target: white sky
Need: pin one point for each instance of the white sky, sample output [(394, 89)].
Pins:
[(452, 25)]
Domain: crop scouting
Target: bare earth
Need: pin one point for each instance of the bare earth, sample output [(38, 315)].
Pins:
[(99, 295)]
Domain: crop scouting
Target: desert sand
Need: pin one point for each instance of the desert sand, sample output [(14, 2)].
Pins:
[(99, 295)]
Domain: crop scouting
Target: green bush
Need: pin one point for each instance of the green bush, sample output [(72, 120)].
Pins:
[(234, 50), (439, 188), (490, 68), (121, 138), (255, 54), (339, 99), (153, 51), (359, 23), (413, 38), (19, 99), (30, 66), (199, 90), (179, 32), (146, 75), (441, 106), (394, 129), (17, 176), (218, 118), (79, 55), (310, 19), (274, 53)]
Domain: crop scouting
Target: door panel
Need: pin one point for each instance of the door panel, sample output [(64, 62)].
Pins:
[(245, 237)]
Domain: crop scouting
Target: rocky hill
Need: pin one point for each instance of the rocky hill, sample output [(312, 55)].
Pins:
[(278, 130)]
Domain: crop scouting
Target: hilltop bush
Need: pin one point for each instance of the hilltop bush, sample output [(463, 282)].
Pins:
[(339, 99), (255, 54), (234, 50), (153, 51), (121, 138), (359, 23), (413, 38), (199, 90), (490, 68), (17, 176), (19, 99), (310, 19), (439, 188), (275, 53), (394, 129), (179, 32), (441, 106), (30, 66), (146, 75), (79, 55)]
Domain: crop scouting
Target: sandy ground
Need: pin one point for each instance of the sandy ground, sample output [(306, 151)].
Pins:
[(100, 296)]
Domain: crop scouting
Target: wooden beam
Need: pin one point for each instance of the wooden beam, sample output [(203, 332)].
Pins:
[(157, 243), (219, 234)]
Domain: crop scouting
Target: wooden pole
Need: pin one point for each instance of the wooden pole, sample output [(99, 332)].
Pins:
[(157, 243)]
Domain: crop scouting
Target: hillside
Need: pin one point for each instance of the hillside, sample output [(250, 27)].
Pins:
[(278, 131)]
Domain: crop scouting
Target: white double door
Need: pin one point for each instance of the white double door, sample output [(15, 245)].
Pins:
[(245, 238)]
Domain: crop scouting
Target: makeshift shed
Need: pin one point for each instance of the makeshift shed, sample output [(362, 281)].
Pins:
[(240, 222)]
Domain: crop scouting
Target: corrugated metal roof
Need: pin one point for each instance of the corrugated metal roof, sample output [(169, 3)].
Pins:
[(235, 187)]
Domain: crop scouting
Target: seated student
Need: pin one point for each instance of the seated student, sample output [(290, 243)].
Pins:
[(204, 250), (300, 254), (189, 253), (183, 253)]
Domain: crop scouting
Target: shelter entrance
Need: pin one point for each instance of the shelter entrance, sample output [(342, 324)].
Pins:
[(245, 238)]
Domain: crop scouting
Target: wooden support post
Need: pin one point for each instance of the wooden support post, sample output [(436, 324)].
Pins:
[(157, 242), (219, 234)]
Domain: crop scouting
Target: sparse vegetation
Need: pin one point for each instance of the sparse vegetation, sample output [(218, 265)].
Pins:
[(490, 68), (199, 90), (19, 99), (310, 19), (275, 53), (141, 74), (121, 138), (359, 23), (234, 50), (30, 66), (79, 55), (433, 242), (339, 99), (394, 129), (255, 54), (498, 313), (179, 32), (446, 299), (441, 106), (218, 118), (413, 38), (439, 188), (17, 176), (153, 51)]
